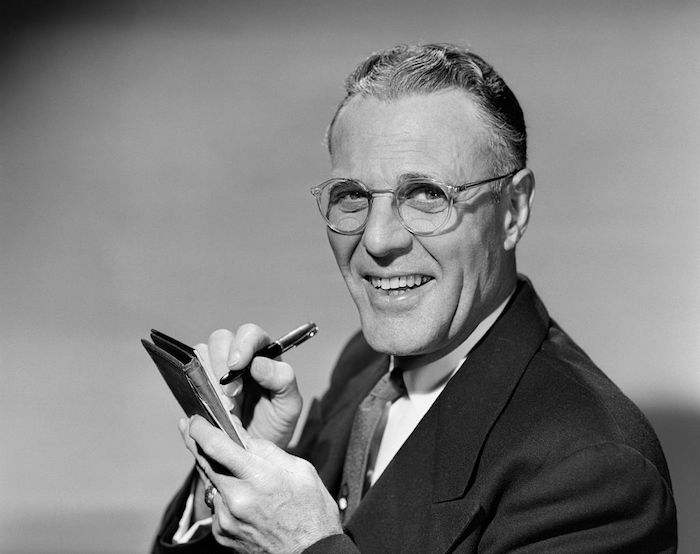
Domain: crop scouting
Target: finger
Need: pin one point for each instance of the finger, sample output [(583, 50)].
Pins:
[(204, 356), (207, 467), (204, 480), (203, 466), (226, 519), (216, 445), (224, 527), (202, 352), (184, 426), (226, 393), (249, 339), (220, 344)]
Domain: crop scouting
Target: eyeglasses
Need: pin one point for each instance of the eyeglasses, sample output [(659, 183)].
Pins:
[(422, 205)]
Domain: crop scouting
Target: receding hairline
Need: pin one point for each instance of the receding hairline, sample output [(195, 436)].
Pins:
[(483, 133), (429, 68)]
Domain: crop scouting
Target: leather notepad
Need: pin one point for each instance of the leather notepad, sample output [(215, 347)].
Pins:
[(188, 381)]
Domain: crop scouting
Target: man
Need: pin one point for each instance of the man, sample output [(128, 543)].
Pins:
[(506, 437)]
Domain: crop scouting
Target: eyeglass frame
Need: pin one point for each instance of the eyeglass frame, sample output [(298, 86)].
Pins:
[(451, 191)]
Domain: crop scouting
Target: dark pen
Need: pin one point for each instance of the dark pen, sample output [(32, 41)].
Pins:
[(276, 348)]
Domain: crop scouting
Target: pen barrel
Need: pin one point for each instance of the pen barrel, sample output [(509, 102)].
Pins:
[(272, 350), (275, 349)]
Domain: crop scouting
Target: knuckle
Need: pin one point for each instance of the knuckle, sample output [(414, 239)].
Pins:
[(256, 445), (237, 504), (248, 329), (222, 526), (304, 466), (262, 448), (251, 332)]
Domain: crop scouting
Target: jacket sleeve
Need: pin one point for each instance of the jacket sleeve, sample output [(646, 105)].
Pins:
[(335, 544), (206, 543), (163, 541), (603, 498)]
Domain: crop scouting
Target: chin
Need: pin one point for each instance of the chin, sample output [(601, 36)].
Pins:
[(399, 338)]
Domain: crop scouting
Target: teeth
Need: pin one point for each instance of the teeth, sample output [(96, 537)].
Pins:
[(404, 281)]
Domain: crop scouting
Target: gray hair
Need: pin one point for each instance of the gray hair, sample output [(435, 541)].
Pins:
[(422, 69)]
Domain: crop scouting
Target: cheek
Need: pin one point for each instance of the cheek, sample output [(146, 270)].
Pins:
[(475, 261), (343, 247)]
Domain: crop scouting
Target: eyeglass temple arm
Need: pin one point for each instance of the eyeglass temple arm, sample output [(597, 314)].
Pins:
[(460, 188)]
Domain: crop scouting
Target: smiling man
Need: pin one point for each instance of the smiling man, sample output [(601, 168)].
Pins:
[(461, 418), (460, 270)]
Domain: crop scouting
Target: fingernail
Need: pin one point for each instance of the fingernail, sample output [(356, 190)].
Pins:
[(233, 359), (182, 424)]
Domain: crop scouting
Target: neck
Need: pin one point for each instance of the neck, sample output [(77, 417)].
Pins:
[(453, 352)]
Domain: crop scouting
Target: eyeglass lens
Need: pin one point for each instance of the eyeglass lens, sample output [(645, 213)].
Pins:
[(422, 206)]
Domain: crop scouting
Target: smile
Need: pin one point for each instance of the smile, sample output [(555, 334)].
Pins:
[(399, 283)]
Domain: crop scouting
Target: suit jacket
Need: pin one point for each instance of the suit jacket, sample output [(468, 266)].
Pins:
[(529, 448)]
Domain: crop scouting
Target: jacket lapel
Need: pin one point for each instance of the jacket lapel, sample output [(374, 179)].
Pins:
[(480, 390)]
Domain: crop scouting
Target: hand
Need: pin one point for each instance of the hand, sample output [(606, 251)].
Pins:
[(271, 501), (276, 414)]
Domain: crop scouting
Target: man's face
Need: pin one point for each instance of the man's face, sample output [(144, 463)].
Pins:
[(420, 294)]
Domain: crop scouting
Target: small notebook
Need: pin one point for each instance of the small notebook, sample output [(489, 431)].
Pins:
[(190, 383)]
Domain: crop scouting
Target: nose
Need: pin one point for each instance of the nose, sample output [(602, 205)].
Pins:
[(384, 234)]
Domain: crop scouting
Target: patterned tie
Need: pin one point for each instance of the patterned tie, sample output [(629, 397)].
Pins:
[(365, 437)]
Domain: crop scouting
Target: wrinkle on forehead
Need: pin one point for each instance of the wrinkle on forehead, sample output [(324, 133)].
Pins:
[(438, 134)]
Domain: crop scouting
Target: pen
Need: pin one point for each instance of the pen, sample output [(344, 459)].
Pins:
[(276, 348)]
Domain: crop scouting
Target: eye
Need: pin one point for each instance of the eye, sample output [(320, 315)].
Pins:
[(423, 196), (425, 193), (348, 197)]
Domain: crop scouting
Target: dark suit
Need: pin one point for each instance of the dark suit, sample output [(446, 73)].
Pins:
[(529, 448)]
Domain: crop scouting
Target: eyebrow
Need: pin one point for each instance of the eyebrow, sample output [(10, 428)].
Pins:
[(415, 175)]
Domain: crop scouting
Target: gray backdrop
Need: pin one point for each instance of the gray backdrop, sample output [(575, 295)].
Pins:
[(155, 162)]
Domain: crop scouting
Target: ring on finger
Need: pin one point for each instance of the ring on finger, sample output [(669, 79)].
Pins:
[(209, 494)]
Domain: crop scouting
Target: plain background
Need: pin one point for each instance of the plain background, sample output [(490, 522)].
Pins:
[(155, 162)]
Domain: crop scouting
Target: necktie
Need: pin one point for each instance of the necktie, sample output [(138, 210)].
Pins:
[(365, 438)]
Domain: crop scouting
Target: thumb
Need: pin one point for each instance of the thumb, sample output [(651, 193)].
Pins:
[(276, 377), (216, 451)]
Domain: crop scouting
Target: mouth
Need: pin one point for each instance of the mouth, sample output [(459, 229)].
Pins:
[(398, 284)]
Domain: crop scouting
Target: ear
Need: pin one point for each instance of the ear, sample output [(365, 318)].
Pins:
[(517, 200)]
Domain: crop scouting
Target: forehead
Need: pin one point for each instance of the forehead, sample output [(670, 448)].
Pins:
[(438, 134)]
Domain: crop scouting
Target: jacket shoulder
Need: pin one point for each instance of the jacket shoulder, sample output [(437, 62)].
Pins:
[(577, 404)]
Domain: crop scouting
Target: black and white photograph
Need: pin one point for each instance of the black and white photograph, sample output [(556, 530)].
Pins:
[(349, 277)]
